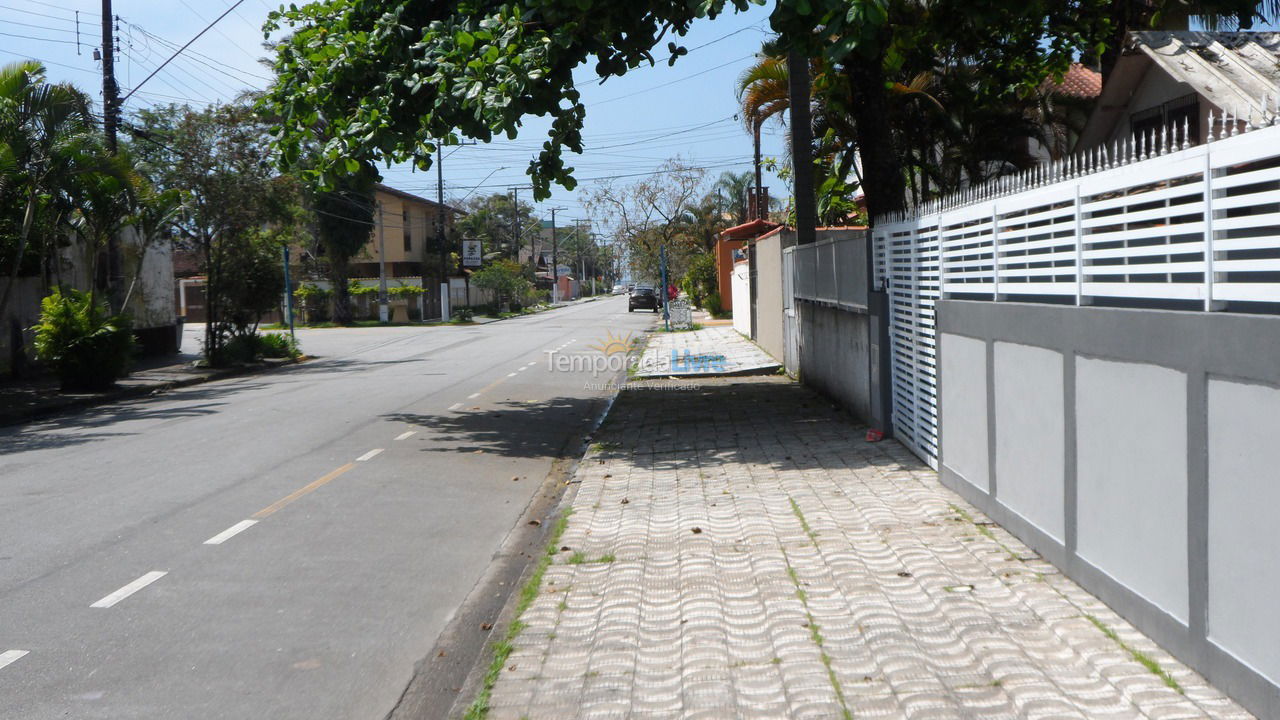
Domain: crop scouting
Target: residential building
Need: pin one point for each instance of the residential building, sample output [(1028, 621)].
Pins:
[(407, 226), (1168, 82), (729, 246)]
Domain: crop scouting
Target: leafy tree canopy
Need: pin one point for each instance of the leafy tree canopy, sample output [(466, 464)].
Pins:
[(382, 78)]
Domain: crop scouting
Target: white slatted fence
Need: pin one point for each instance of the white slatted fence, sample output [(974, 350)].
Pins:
[(1152, 220)]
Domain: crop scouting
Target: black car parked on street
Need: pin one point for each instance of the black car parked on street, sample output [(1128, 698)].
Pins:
[(644, 297)]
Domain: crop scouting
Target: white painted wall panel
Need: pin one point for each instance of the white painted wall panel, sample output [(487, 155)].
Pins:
[(964, 408), (1029, 435), (1131, 425), (740, 284), (1244, 497)]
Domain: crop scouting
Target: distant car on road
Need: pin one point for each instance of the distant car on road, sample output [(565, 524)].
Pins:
[(619, 289), (644, 297)]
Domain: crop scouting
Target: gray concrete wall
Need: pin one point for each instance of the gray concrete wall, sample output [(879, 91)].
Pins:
[(1137, 451), (835, 355), (768, 299)]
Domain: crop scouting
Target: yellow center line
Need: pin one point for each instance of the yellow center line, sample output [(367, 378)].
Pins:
[(273, 507)]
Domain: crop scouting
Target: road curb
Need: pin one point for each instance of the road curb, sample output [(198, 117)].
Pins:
[(522, 540)]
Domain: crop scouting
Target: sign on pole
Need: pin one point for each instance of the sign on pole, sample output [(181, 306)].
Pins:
[(471, 254)]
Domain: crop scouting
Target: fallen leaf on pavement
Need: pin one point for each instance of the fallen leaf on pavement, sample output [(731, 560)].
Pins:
[(697, 531), (535, 523), (486, 626)]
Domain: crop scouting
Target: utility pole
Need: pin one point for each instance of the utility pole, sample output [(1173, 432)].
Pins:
[(383, 315), (761, 212), (515, 224), (288, 291), (662, 292), (555, 262), (444, 253), (518, 229), (110, 123), (110, 91)]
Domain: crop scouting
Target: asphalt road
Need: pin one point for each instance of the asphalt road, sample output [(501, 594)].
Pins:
[(284, 545)]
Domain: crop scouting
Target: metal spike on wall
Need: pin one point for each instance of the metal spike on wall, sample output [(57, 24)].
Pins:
[(1186, 133)]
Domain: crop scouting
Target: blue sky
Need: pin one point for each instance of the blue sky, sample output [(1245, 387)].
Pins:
[(634, 123)]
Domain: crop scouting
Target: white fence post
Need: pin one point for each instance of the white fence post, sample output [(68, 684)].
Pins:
[(1079, 250), (1208, 226), (942, 262), (995, 252)]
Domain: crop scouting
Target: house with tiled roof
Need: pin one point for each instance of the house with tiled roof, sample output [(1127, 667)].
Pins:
[(1170, 82)]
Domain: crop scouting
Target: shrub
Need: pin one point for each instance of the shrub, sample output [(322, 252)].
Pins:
[(87, 347), (355, 289), (404, 292), (700, 280), (279, 345), (463, 314), (505, 278), (314, 302), (714, 305)]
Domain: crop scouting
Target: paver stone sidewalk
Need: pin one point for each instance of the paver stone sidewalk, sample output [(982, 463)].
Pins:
[(711, 351), (737, 550)]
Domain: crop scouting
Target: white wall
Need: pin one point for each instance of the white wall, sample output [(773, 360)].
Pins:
[(1029, 435), (1244, 532), (964, 409), (741, 284), (1131, 469)]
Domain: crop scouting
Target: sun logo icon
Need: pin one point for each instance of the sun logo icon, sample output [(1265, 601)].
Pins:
[(613, 344)]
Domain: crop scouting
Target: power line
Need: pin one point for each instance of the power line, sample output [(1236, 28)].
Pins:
[(63, 9), (218, 30), (666, 84), (191, 54), (39, 39), (184, 47), (49, 62)]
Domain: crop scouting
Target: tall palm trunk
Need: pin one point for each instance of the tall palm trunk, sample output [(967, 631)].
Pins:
[(884, 184), (802, 147), (28, 218)]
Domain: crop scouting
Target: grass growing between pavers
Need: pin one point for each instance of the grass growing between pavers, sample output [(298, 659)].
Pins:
[(528, 593), (815, 632), (579, 558), (1140, 657)]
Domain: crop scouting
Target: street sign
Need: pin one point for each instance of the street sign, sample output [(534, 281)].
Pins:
[(472, 255), (681, 315)]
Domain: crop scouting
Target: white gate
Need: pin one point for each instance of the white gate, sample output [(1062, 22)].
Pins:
[(790, 323), (1152, 219)]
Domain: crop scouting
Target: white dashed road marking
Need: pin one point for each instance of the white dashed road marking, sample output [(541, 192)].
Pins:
[(369, 455), (231, 532), (473, 396), (406, 435), (9, 657), (129, 589), (455, 406)]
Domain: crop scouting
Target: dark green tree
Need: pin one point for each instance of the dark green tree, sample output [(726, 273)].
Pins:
[(344, 222)]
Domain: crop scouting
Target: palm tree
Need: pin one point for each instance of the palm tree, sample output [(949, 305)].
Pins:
[(107, 190), (733, 189), (43, 128)]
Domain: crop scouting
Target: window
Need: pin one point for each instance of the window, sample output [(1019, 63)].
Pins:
[(408, 236), (1176, 117)]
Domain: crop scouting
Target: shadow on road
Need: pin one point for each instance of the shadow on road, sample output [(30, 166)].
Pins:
[(535, 429), (67, 430)]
